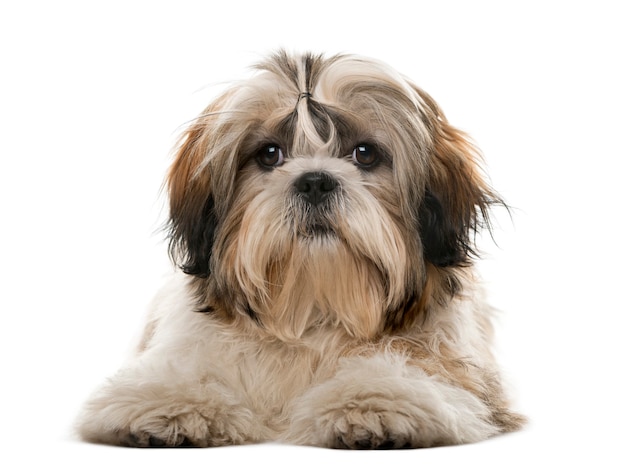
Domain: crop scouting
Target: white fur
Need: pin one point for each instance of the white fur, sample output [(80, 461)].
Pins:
[(381, 399), (200, 380)]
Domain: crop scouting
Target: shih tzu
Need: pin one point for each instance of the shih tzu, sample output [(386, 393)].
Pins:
[(323, 215)]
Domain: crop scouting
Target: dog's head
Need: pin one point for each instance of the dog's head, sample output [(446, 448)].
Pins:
[(325, 192)]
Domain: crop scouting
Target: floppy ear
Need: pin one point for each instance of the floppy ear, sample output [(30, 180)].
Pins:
[(192, 222), (457, 199)]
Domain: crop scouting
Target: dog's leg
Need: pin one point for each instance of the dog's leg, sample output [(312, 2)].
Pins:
[(155, 406), (383, 402)]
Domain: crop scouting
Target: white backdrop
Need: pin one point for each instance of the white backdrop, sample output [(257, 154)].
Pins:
[(94, 94)]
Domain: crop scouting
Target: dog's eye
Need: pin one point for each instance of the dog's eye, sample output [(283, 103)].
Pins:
[(270, 156), (364, 155)]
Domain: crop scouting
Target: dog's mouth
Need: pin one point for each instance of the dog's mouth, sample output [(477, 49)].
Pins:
[(315, 230), (314, 222), (321, 230)]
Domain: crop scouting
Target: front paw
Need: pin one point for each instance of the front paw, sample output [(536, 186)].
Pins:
[(161, 416), (383, 403), (189, 429), (366, 429)]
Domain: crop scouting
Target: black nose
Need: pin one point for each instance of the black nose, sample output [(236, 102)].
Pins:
[(315, 187)]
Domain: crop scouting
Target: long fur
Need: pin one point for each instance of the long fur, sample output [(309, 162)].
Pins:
[(353, 323)]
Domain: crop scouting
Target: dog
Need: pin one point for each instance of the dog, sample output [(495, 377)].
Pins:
[(322, 221)]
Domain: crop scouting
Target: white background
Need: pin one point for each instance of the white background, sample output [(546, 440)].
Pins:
[(94, 94)]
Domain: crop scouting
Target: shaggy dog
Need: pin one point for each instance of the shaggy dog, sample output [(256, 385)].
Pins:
[(322, 214)]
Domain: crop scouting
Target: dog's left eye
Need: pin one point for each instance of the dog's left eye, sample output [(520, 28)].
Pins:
[(364, 155), (270, 156)]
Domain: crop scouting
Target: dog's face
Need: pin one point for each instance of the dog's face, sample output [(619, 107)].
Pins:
[(324, 193)]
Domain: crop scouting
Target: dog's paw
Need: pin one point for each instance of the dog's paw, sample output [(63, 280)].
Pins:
[(361, 429), (381, 403), (372, 422), (185, 430), (189, 429), (154, 416)]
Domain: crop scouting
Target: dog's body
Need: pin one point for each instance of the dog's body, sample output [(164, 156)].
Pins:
[(322, 214)]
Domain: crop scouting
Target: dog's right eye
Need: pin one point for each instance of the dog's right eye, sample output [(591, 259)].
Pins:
[(270, 156)]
